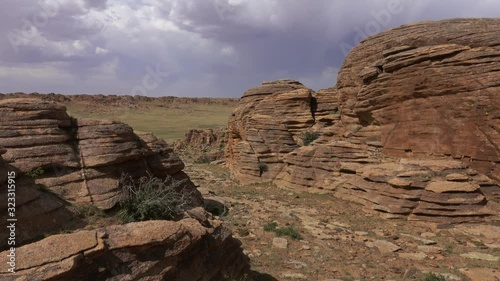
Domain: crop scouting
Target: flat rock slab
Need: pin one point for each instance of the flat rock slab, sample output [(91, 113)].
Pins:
[(451, 186), (296, 276), (280, 243), (413, 256), (383, 246), (480, 256), (424, 241), (430, 249), (53, 249), (481, 274), (457, 177)]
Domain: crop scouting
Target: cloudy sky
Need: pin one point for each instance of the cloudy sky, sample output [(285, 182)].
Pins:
[(215, 48)]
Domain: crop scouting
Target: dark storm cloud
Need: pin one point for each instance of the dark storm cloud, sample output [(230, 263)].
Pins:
[(207, 47)]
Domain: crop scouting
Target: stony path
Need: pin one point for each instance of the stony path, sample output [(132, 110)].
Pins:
[(342, 242)]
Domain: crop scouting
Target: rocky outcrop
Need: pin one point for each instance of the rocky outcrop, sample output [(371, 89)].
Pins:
[(60, 160), (39, 211), (266, 126), (412, 127), (202, 145), (152, 250), (422, 69)]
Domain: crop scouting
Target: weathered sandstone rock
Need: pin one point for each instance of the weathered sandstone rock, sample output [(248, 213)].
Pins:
[(151, 250), (80, 161), (412, 127), (202, 145), (435, 91), (37, 211), (266, 126)]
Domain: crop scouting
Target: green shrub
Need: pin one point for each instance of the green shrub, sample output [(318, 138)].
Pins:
[(282, 231), (270, 226), (448, 249), (151, 198), (431, 276), (309, 137), (288, 231), (262, 168), (36, 173)]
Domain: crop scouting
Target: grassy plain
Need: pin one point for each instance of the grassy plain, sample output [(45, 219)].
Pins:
[(169, 121)]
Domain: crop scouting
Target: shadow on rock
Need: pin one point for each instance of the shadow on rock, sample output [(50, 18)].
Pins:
[(216, 208), (257, 276)]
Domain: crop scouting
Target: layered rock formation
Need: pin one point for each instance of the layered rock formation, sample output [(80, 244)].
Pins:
[(266, 126), (412, 127), (38, 212), (202, 145), (75, 161), (152, 250)]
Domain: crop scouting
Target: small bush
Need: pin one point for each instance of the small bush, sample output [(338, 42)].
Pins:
[(309, 137), (288, 231), (431, 276), (270, 226), (36, 173), (87, 210), (152, 198), (282, 231), (262, 168), (90, 213), (448, 249)]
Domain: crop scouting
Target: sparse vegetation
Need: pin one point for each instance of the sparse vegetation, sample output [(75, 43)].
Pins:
[(36, 173), (431, 276), (90, 213), (151, 198), (151, 116), (448, 249), (270, 226), (262, 168), (308, 137), (288, 231), (282, 231)]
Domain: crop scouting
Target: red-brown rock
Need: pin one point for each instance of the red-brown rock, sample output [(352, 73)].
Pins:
[(152, 250), (412, 127)]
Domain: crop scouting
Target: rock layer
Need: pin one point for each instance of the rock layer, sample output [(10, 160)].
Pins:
[(152, 250), (202, 146), (412, 127), (38, 212), (265, 126), (75, 161)]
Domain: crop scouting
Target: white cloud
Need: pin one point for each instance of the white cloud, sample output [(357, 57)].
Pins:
[(101, 51)]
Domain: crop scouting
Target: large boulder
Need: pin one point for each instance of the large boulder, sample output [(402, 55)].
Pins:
[(267, 125), (430, 88), (36, 134), (60, 160), (152, 250), (412, 127), (37, 211)]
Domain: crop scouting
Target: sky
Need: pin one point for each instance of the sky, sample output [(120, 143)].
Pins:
[(194, 48)]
